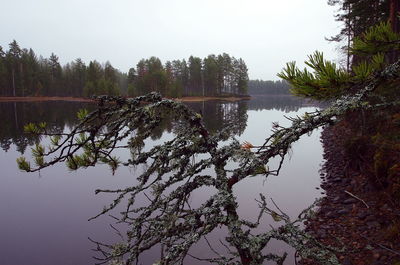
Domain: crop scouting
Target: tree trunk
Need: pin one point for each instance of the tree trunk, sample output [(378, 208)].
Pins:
[(13, 80), (394, 12), (394, 22), (15, 115), (22, 77)]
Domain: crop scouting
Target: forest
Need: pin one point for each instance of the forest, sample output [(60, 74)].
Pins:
[(23, 73), (268, 87)]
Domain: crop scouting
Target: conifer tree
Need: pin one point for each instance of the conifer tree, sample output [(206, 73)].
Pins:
[(13, 56), (328, 81)]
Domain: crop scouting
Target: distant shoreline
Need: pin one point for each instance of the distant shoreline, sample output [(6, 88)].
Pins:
[(39, 99), (75, 99), (196, 99)]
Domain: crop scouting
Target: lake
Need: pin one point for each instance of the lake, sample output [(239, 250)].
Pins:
[(44, 215)]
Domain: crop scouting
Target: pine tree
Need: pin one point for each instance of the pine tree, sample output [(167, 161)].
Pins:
[(195, 76), (210, 68), (55, 74), (3, 72), (328, 81), (13, 58)]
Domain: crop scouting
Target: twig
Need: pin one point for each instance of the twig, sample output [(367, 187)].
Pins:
[(354, 196), (282, 213), (212, 249), (117, 231), (222, 243), (388, 249), (382, 246)]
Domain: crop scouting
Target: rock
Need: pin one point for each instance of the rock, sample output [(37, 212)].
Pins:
[(370, 218), (325, 227), (337, 180), (343, 211), (349, 201), (346, 180), (373, 224), (362, 215), (326, 186), (321, 231), (347, 261), (330, 214), (344, 217), (336, 199), (376, 255)]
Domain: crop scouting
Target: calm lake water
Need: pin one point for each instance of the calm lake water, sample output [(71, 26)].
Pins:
[(43, 217)]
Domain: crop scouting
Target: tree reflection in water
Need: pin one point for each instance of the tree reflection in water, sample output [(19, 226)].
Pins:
[(169, 165), (61, 116)]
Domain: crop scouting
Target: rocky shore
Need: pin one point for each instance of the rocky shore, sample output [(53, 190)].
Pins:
[(354, 216)]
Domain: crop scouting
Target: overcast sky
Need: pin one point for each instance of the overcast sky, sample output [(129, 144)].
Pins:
[(265, 33)]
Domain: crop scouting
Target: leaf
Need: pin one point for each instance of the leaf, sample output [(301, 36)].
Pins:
[(42, 125), (55, 139), (38, 150), (71, 164), (261, 169), (23, 164), (82, 113), (39, 161), (31, 128), (247, 146), (276, 217)]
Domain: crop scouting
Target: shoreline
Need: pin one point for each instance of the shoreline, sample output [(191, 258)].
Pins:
[(78, 99), (352, 211), (39, 99), (199, 99)]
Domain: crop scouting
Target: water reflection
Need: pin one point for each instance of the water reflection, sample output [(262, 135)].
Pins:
[(217, 115), (14, 115), (46, 218), (62, 115), (285, 103)]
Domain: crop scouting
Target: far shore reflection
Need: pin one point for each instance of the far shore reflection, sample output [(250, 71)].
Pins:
[(56, 198), (61, 115)]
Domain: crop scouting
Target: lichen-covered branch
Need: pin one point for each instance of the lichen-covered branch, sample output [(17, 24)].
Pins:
[(192, 160)]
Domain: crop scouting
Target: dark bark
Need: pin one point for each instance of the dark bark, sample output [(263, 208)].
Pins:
[(13, 80), (395, 24)]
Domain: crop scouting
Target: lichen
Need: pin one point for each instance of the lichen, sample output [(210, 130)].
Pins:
[(172, 175)]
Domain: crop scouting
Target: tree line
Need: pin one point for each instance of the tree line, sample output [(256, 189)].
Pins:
[(268, 87), (23, 73), (212, 76)]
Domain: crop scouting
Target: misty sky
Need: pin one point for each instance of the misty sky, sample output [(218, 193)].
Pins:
[(265, 33)]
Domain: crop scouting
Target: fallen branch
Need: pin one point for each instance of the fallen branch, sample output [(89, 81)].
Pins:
[(355, 197), (173, 174), (381, 246)]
